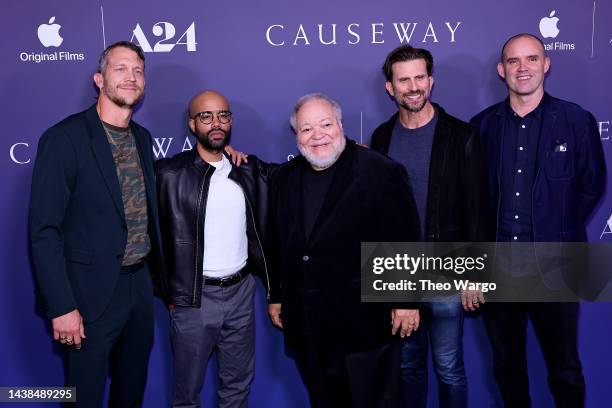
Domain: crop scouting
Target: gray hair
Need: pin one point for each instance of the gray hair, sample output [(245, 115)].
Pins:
[(308, 98)]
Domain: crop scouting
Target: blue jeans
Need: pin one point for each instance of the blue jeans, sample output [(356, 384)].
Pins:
[(442, 325)]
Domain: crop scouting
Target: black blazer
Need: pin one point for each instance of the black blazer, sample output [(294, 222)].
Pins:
[(457, 192), (78, 230), (369, 199)]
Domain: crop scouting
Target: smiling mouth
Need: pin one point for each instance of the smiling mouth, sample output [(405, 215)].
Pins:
[(413, 97), (523, 77)]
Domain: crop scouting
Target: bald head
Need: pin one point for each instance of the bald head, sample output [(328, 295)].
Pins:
[(207, 101)]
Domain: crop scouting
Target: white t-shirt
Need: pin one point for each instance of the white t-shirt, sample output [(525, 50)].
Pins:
[(225, 240)]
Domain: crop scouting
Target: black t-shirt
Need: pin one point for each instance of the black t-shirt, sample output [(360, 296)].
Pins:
[(315, 186)]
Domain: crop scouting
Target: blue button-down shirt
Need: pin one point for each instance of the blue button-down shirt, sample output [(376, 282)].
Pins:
[(518, 174)]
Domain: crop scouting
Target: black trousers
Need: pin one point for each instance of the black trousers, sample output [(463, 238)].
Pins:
[(556, 327), (366, 379), (119, 342)]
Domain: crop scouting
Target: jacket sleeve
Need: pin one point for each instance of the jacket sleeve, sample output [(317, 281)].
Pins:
[(399, 218), (591, 167), (157, 261), (272, 244), (475, 189), (53, 181)]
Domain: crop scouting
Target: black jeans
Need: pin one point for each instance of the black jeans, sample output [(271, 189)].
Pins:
[(556, 327)]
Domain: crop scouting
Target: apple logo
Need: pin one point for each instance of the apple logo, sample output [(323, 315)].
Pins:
[(548, 26), (48, 34)]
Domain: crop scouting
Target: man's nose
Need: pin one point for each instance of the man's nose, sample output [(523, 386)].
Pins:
[(215, 120)]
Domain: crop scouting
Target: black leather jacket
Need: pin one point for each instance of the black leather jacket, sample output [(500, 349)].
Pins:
[(457, 193), (182, 188)]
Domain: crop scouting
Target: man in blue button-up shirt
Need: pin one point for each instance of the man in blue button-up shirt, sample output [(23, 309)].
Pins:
[(546, 174)]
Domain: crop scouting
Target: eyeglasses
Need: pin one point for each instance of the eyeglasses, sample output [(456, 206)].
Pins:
[(207, 117)]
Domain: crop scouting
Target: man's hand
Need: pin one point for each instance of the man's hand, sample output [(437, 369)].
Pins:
[(471, 300), (237, 157), (68, 329), (274, 310), (406, 320)]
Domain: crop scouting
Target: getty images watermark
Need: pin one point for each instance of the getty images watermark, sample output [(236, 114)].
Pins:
[(503, 272)]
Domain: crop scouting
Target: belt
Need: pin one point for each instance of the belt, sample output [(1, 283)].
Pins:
[(228, 280), (131, 269)]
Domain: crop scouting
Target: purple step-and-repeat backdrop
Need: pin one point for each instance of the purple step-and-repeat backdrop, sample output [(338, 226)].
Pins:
[(264, 55)]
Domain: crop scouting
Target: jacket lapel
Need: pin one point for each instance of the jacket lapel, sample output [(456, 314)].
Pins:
[(340, 185), (549, 119), (496, 128), (437, 163), (294, 195), (104, 158)]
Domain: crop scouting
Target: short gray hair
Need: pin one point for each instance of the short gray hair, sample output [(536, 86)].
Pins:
[(308, 98)]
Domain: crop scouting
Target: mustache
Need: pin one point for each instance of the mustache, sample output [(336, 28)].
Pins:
[(216, 130)]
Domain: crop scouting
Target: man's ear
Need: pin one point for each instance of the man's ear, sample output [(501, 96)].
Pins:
[(389, 87), (99, 80), (500, 70), (192, 125)]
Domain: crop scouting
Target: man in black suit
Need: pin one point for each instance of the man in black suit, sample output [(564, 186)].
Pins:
[(95, 235), (323, 204)]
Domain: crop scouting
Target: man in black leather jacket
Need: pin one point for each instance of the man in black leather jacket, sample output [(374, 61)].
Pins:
[(212, 216)]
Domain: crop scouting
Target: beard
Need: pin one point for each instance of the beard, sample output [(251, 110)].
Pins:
[(211, 145), (122, 102), (321, 163), (412, 108)]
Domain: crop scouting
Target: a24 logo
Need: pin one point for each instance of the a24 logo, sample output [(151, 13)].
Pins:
[(167, 31)]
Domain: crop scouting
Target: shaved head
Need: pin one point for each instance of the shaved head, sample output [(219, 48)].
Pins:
[(516, 37), (206, 98), (212, 131)]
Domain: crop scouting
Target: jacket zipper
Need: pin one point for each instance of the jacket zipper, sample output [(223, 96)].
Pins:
[(263, 255), (198, 215)]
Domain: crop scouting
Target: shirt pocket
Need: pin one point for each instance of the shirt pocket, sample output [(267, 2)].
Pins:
[(559, 165)]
